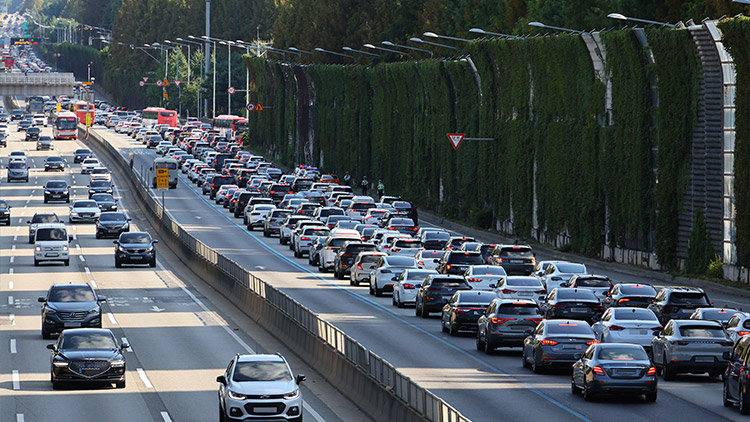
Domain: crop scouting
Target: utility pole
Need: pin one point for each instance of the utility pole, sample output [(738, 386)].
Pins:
[(208, 56)]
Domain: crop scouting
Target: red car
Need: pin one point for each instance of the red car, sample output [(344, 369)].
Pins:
[(329, 178)]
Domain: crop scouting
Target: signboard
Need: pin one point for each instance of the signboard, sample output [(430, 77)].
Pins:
[(164, 93), (231, 90), (162, 178), (58, 107), (455, 139), (259, 107), (166, 82), (177, 82), (250, 107), (141, 83), (145, 79), (23, 41), (88, 119), (87, 83), (159, 82)]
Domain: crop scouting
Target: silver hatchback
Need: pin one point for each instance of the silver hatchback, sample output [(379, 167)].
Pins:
[(691, 346)]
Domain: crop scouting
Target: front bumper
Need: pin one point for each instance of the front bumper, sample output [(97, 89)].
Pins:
[(56, 255), (53, 323), (135, 258), (83, 219)]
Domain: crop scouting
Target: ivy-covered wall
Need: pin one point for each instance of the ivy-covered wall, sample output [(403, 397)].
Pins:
[(556, 164)]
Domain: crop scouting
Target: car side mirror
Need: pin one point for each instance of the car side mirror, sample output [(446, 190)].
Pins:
[(130, 219), (725, 356), (51, 347), (102, 298), (70, 239), (300, 378), (156, 241), (28, 221), (116, 242), (221, 379), (41, 299), (124, 346)]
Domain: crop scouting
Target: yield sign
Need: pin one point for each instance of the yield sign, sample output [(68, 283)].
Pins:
[(456, 139), (177, 82), (145, 79)]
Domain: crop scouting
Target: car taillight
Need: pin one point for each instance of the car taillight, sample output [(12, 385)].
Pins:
[(659, 328), (346, 255), (547, 342), (536, 320), (304, 238), (678, 343), (616, 328), (598, 370), (499, 260), (433, 288), (623, 300), (559, 305), (592, 342), (651, 371), (462, 310), (496, 320), (329, 248), (395, 249), (541, 292), (598, 306), (359, 267), (448, 266), (413, 229), (254, 213), (743, 333), (409, 286), (418, 263), (272, 192), (533, 260), (474, 279), (508, 291)]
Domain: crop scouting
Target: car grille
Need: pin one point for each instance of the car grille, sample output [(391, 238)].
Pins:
[(72, 315), (51, 248), (86, 214), (265, 397), (136, 250), (89, 368), (250, 408)]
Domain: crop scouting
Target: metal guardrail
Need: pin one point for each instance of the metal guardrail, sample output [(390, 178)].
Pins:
[(430, 406)]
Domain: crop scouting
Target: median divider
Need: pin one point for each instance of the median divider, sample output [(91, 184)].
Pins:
[(378, 388)]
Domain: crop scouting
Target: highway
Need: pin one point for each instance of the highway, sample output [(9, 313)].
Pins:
[(481, 387), (182, 333)]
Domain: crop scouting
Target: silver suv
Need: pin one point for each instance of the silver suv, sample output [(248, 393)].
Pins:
[(691, 345), (259, 387)]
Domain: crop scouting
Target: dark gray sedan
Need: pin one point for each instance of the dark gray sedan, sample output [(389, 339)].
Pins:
[(614, 368)]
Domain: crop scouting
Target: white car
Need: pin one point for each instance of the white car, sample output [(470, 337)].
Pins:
[(256, 215), (484, 277), (89, 164), (521, 287), (39, 120), (331, 247), (51, 243), (224, 192), (599, 284), (17, 157), (387, 271), (4, 129), (558, 273), (404, 246), (405, 289), (163, 147), (304, 236), (627, 325), (738, 326), (84, 211), (429, 259), (100, 173), (362, 266)]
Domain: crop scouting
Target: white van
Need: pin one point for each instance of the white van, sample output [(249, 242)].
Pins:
[(51, 242)]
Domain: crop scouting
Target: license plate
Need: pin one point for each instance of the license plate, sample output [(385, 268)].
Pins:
[(572, 347), (136, 257), (579, 310), (72, 324), (264, 410), (704, 359), (524, 293), (641, 332), (51, 254)]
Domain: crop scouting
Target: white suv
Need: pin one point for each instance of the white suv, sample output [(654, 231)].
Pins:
[(260, 387), (51, 243)]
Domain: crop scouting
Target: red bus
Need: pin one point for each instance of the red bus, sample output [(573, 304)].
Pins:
[(66, 126), (227, 125), (159, 115), (82, 109)]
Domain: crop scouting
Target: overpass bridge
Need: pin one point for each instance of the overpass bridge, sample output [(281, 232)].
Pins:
[(28, 84)]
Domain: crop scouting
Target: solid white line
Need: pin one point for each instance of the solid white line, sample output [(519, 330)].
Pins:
[(125, 341), (10, 285), (93, 284), (144, 378), (12, 259), (19, 417), (10, 300), (165, 416), (16, 380), (13, 349), (86, 268), (111, 318), (82, 259)]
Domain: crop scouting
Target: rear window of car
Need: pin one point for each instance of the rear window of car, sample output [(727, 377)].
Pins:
[(317, 231), (482, 298), (418, 275), (368, 259), (408, 244), (401, 261), (622, 353), (465, 258), (638, 290), (568, 328), (702, 331), (519, 309), (432, 254), (681, 298), (576, 295), (571, 268), (489, 270), (719, 314), (402, 221), (447, 284), (635, 314), (57, 184), (355, 249), (517, 252), (523, 282), (592, 282)]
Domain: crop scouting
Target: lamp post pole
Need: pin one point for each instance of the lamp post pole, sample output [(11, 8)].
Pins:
[(208, 54)]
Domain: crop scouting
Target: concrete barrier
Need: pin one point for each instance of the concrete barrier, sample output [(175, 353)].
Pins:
[(360, 375)]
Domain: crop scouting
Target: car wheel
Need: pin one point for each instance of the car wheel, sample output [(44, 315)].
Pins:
[(222, 415), (378, 292), (480, 343), (46, 335), (98, 235), (573, 389), (393, 301), (152, 264), (399, 303), (668, 372), (587, 394), (45, 200), (36, 263), (452, 329), (322, 269), (417, 310), (489, 348), (536, 368), (744, 402), (31, 240), (67, 201), (725, 395), (56, 385), (714, 374), (425, 313), (524, 359), (120, 384), (651, 397), (118, 264), (442, 325), (266, 234), (67, 262)]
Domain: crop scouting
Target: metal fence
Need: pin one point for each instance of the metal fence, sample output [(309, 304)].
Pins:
[(430, 406)]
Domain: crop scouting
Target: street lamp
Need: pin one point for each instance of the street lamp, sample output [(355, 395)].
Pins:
[(374, 47), (622, 17), (208, 51), (200, 91), (360, 51), (390, 44), (541, 25), (229, 74), (421, 41), (297, 50), (445, 37), (333, 52), (497, 34)]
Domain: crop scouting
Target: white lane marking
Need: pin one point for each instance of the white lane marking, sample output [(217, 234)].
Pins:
[(75, 228), (125, 341), (111, 318), (75, 237), (27, 201), (15, 238), (19, 228), (93, 284), (82, 259), (13, 349), (78, 246), (12, 318), (10, 271), (12, 259), (85, 268), (165, 416), (23, 212), (144, 378), (16, 380), (10, 300), (10, 285), (13, 248), (19, 417)]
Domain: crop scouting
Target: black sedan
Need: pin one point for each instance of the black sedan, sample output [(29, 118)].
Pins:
[(464, 309), (54, 162), (631, 295), (56, 190), (4, 212), (135, 248), (105, 201), (70, 306), (112, 224), (556, 342), (81, 154), (100, 186), (23, 125), (568, 302), (87, 355), (32, 134), (614, 368)]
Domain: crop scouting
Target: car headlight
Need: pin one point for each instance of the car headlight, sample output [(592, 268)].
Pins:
[(94, 310), (150, 248), (121, 249), (60, 364), (38, 248), (236, 396), (119, 363), (91, 191), (65, 248), (51, 311), (73, 213), (293, 395), (47, 192)]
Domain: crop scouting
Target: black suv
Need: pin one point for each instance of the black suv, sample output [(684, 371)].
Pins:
[(678, 303), (457, 262), (135, 248), (737, 377), (16, 115), (3, 140), (70, 306), (242, 200), (515, 259), (56, 190), (82, 154), (277, 191), (100, 186), (435, 292), (217, 182), (32, 133), (112, 223), (435, 240), (346, 255), (4, 212), (54, 162)]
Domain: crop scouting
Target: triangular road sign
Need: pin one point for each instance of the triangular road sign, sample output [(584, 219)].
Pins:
[(177, 82), (259, 107), (456, 139), (145, 79), (166, 82)]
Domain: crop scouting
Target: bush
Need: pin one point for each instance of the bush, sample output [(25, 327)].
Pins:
[(715, 267), (700, 251), (482, 218)]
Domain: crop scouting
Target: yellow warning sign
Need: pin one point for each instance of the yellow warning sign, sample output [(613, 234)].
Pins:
[(259, 107), (166, 82), (88, 119), (58, 107), (162, 178), (164, 94)]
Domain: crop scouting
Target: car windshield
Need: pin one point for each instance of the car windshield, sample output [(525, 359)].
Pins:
[(401, 261), (517, 252), (571, 268), (574, 295), (638, 290), (85, 204), (71, 294), (622, 353), (54, 159), (471, 297), (135, 238), (44, 218), (87, 341), (418, 275), (82, 151), (635, 314), (103, 197), (100, 170), (702, 331), (446, 284), (698, 299), (523, 282), (57, 234), (465, 258), (402, 222), (17, 165), (369, 259), (519, 309), (261, 371), (100, 184), (57, 184), (112, 216), (568, 328)]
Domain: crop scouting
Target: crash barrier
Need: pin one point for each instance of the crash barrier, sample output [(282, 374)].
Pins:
[(379, 389)]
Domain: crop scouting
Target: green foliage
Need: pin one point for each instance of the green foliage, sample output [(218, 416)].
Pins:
[(700, 251), (678, 71), (737, 40), (716, 267)]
